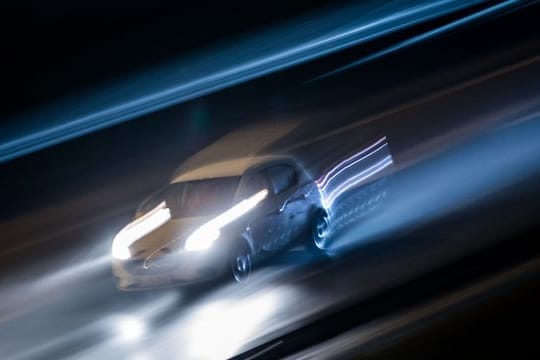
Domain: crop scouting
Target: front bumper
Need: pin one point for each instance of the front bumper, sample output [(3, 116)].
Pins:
[(178, 268)]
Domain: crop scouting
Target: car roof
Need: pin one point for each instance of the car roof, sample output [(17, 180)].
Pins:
[(234, 153), (225, 168), (302, 140)]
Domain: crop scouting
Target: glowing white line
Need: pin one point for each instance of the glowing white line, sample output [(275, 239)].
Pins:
[(355, 180), (352, 164), (324, 180), (352, 182), (204, 236), (285, 56), (139, 228)]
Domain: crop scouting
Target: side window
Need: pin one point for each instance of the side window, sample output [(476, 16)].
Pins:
[(252, 184), (281, 177), (152, 201)]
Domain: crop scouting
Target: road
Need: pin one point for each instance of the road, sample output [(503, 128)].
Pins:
[(68, 305), (465, 185)]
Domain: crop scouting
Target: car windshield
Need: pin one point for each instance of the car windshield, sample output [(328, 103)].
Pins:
[(195, 198), (202, 197)]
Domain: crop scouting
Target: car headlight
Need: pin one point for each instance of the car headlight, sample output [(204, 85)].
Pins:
[(137, 229), (204, 237)]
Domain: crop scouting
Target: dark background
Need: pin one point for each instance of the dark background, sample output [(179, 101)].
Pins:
[(65, 48), (54, 48)]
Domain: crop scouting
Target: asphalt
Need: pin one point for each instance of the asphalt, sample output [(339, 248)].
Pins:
[(462, 185), (66, 305)]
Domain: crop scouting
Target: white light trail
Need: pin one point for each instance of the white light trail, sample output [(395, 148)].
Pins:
[(204, 237), (139, 228), (342, 166)]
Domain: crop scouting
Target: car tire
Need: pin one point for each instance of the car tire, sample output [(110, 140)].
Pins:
[(241, 262), (320, 232)]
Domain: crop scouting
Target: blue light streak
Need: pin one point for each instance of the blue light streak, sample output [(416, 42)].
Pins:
[(353, 171), (219, 69), (348, 162), (425, 36), (357, 179)]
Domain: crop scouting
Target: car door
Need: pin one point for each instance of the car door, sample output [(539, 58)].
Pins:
[(262, 223), (267, 227), (290, 195), (287, 204)]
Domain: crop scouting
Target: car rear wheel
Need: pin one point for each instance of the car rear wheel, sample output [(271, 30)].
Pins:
[(320, 231), (241, 262)]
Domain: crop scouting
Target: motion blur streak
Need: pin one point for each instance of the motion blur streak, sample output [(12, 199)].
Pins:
[(203, 237), (118, 329), (456, 180), (354, 170), (357, 179), (211, 335), (172, 83), (348, 162), (425, 36), (139, 228), (129, 328), (419, 316), (24, 297)]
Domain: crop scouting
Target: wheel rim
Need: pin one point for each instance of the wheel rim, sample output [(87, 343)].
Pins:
[(241, 266), (321, 230)]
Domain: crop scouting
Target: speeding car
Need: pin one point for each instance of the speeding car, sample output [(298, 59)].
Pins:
[(224, 217)]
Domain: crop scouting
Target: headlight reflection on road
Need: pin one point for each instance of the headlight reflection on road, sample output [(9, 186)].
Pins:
[(129, 328), (218, 330)]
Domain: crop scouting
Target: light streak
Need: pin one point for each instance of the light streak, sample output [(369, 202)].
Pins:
[(339, 168), (204, 237), (421, 37), (217, 71), (212, 332), (336, 181), (357, 179), (130, 328), (139, 228)]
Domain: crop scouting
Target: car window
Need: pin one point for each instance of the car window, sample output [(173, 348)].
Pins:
[(194, 198), (252, 184), (151, 202), (281, 177), (205, 197)]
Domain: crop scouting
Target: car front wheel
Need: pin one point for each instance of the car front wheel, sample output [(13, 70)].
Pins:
[(241, 262)]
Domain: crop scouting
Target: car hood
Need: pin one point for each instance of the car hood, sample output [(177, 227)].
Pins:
[(167, 238)]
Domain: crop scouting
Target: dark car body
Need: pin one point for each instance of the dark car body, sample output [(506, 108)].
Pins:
[(159, 258), (223, 217)]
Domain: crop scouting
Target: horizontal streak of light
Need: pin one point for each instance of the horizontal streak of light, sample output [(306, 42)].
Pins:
[(421, 37), (342, 166), (319, 45), (204, 236), (139, 228), (357, 179), (424, 315)]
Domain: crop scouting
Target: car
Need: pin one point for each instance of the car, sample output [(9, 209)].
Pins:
[(221, 218)]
